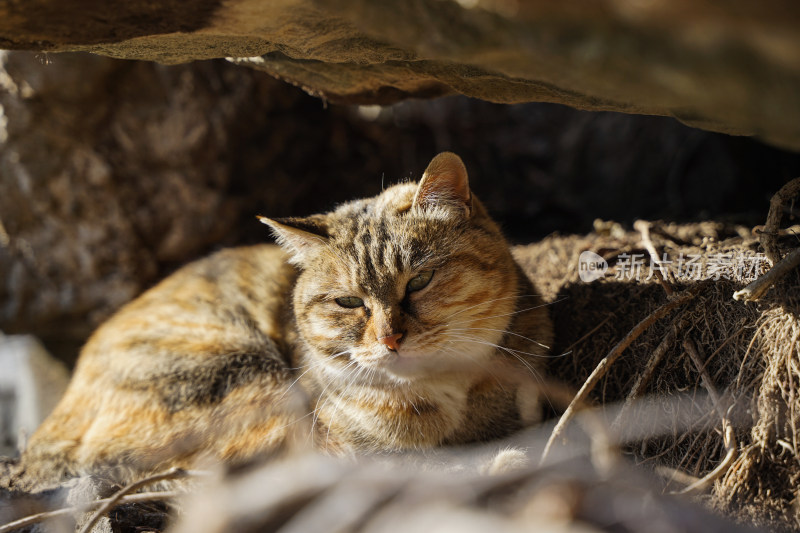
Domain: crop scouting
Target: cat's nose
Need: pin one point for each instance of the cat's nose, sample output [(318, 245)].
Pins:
[(391, 341)]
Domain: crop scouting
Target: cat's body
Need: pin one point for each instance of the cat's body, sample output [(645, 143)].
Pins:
[(393, 323)]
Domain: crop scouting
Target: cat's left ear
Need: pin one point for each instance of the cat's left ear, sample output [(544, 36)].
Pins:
[(445, 183), (301, 237)]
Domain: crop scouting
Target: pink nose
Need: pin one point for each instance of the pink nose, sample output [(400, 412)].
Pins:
[(392, 341)]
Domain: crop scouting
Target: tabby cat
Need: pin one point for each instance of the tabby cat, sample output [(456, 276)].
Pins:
[(399, 322)]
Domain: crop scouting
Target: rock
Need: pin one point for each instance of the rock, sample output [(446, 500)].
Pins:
[(31, 384), (735, 70), (109, 171)]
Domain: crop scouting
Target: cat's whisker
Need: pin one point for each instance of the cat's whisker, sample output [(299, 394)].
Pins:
[(486, 302), (424, 338), (295, 421), (317, 406), (482, 364), (371, 376), (422, 261), (534, 375), (309, 366), (351, 368), (503, 331), (483, 341), (515, 312), (514, 353), (349, 383)]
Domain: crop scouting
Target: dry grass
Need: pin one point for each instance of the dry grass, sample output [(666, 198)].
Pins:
[(745, 354)]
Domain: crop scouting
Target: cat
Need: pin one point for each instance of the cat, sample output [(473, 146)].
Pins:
[(399, 322)]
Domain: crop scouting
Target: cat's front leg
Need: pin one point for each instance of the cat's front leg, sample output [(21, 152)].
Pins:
[(507, 460)]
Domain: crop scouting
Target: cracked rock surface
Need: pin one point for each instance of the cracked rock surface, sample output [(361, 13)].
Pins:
[(732, 67)]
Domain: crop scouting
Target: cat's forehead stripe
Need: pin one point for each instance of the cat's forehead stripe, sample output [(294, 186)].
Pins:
[(380, 245), (376, 254)]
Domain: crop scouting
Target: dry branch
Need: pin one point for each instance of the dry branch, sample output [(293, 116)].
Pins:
[(107, 504), (603, 366), (769, 235), (173, 473), (755, 290), (71, 511), (730, 442), (644, 377), (643, 227)]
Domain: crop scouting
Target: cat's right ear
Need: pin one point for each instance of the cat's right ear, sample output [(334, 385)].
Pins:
[(301, 237), (445, 184)]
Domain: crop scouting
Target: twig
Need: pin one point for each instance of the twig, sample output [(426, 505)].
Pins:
[(70, 511), (588, 333), (783, 232), (705, 482), (750, 345), (728, 439), (791, 400), (646, 374), (172, 473), (721, 346), (755, 290), (603, 366), (694, 354), (643, 227), (673, 474), (769, 236)]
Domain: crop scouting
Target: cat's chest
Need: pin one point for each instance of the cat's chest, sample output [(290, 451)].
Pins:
[(442, 413)]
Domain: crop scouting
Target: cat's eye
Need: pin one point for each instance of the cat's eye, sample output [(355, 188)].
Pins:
[(420, 281), (350, 302)]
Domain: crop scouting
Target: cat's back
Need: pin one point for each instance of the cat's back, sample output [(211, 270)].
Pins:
[(206, 347), (237, 287), (230, 299)]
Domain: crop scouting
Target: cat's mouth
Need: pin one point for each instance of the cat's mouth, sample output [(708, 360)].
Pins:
[(405, 365), (408, 364)]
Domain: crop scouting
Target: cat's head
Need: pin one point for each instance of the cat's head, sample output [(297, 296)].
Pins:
[(415, 282)]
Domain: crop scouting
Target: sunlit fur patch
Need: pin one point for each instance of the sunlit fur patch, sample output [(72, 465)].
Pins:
[(453, 329)]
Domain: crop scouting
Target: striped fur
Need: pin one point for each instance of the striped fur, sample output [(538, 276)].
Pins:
[(235, 354)]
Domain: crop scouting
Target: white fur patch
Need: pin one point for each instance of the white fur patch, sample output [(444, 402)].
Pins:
[(508, 460)]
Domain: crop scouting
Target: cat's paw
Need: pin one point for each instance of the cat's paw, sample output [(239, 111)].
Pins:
[(507, 460)]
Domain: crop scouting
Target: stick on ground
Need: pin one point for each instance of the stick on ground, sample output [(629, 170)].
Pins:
[(756, 290), (603, 366), (110, 503), (69, 511), (769, 235), (643, 227), (701, 485)]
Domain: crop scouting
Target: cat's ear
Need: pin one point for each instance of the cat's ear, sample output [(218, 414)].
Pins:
[(445, 184), (301, 237)]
